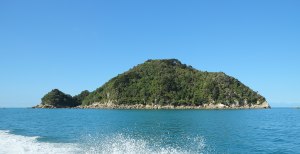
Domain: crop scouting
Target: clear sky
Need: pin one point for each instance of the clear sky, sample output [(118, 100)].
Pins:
[(77, 45)]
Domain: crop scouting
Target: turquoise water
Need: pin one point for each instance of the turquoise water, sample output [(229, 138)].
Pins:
[(149, 131)]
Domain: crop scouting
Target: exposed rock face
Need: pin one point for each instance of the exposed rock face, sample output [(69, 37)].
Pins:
[(263, 105), (45, 106), (110, 105)]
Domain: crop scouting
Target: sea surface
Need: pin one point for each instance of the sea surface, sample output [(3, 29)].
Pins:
[(149, 131)]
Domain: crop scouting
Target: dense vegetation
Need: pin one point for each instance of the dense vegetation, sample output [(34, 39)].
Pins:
[(78, 99), (162, 82), (58, 99), (169, 82)]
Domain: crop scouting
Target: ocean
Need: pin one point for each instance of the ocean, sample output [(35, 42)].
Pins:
[(88, 131)]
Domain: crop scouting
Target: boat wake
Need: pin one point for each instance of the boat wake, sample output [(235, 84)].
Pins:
[(116, 144), (10, 143), (120, 143)]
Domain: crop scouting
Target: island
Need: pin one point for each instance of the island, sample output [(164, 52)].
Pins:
[(162, 84)]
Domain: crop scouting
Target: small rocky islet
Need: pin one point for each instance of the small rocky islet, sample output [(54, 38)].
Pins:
[(162, 84)]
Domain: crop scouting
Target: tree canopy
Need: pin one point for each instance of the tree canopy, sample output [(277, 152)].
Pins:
[(57, 98), (79, 98), (169, 82), (162, 82)]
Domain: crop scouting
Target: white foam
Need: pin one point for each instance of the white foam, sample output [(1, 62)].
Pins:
[(11, 144), (115, 144), (120, 144)]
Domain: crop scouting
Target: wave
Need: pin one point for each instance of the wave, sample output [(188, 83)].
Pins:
[(115, 144), (10, 143)]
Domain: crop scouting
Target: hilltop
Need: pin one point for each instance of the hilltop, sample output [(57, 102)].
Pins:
[(168, 83)]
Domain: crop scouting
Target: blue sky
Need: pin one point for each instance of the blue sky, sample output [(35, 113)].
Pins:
[(77, 45)]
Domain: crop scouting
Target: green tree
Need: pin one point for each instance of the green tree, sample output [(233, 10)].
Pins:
[(57, 98), (78, 99), (168, 81)]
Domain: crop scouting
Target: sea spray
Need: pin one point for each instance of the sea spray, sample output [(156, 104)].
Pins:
[(11, 144), (120, 143), (113, 144)]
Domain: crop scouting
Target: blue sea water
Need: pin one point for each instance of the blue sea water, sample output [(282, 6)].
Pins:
[(149, 131)]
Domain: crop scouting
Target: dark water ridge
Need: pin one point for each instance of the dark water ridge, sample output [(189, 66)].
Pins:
[(149, 131)]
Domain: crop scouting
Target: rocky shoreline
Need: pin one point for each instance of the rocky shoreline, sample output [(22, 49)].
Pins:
[(264, 105)]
